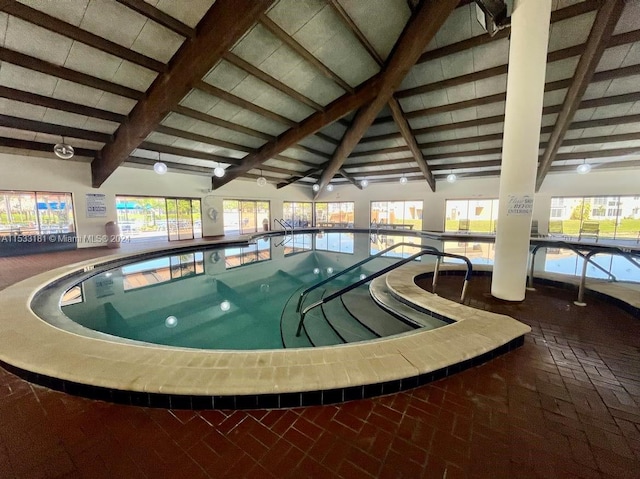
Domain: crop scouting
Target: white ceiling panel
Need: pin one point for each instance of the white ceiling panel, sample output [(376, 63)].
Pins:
[(620, 86), (570, 32), (113, 21), (115, 103), (21, 110), (85, 95), (103, 126), (456, 28), (64, 118), (491, 86), (463, 92), (189, 16), (613, 57), (630, 19), (380, 22), (18, 134), (561, 70), (633, 56), (465, 114), (93, 62), (134, 76), (157, 42), (70, 12), (42, 43), (199, 101), (491, 54), (457, 64)]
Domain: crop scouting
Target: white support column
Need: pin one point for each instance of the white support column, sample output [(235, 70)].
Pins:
[(523, 116)]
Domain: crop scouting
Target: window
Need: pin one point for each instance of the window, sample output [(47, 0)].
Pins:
[(245, 216), (475, 216), (297, 214), (334, 241), (405, 213), (297, 243), (335, 214), (253, 253), (618, 217), (32, 213), (148, 218), (162, 270)]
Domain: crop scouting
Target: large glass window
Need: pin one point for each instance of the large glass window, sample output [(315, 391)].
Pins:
[(148, 218), (334, 241), (297, 214), (253, 253), (476, 216), (28, 213), (162, 270), (245, 216), (405, 213), (616, 217), (332, 214)]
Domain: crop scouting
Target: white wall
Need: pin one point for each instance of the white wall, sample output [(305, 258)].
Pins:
[(31, 173)]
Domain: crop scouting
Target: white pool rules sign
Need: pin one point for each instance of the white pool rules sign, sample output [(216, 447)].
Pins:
[(520, 205), (96, 205)]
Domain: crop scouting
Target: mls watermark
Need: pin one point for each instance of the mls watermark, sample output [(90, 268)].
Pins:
[(53, 238)]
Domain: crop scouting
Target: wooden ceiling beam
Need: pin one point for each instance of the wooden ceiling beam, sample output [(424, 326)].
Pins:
[(242, 103), (556, 16), (348, 21), (41, 19), (32, 63), (419, 31), (159, 17), (186, 153), (288, 40), (603, 27), (212, 120), (43, 147), (62, 105), (247, 67), (221, 27), (52, 129), (334, 111), (188, 135), (410, 140)]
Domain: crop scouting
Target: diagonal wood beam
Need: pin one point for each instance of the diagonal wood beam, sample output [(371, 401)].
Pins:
[(348, 21), (421, 28), (288, 40), (247, 67), (334, 111), (159, 17), (603, 27), (410, 140), (221, 27)]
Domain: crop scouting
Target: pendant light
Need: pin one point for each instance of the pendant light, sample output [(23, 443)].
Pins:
[(584, 168), (218, 171), (403, 180), (159, 167), (262, 180), (451, 177)]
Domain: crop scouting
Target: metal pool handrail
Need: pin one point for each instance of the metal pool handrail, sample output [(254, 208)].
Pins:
[(618, 251), (357, 265), (563, 245), (348, 288)]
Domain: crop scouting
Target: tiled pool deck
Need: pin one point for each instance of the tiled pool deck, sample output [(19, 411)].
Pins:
[(563, 405)]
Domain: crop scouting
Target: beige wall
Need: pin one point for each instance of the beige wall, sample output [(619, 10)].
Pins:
[(45, 174)]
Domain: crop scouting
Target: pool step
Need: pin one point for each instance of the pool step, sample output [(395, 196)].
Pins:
[(348, 326), (383, 296), (374, 317)]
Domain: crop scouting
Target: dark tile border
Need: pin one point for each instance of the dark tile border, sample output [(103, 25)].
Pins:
[(256, 401)]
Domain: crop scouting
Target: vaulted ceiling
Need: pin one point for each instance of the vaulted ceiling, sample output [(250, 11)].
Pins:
[(309, 91)]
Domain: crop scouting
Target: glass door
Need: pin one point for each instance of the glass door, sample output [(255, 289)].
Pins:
[(247, 217), (185, 219), (172, 218)]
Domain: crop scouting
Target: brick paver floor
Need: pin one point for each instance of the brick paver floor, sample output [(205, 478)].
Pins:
[(563, 405)]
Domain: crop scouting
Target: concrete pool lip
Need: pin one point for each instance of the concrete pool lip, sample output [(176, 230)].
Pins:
[(30, 344)]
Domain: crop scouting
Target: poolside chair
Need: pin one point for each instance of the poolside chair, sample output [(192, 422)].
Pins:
[(589, 229)]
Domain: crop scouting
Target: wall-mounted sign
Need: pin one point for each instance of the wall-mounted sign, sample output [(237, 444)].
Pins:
[(96, 205), (520, 205)]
